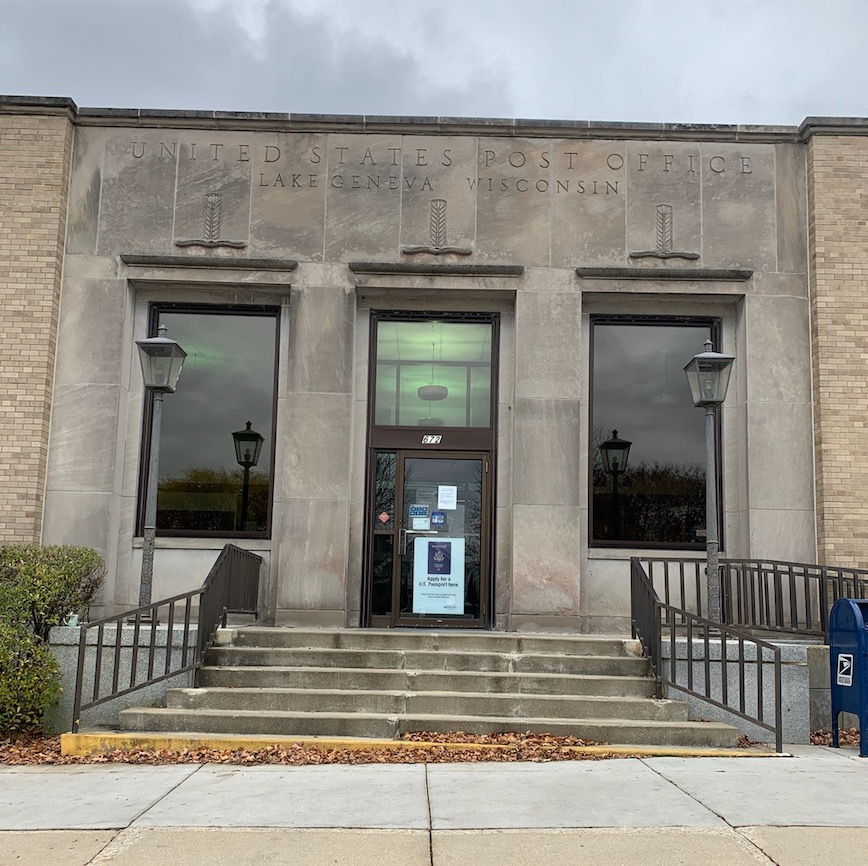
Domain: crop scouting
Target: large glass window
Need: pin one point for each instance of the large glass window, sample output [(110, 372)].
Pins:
[(640, 395), (433, 373), (228, 380)]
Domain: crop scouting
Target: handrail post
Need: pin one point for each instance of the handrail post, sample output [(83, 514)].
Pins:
[(779, 724), (79, 679)]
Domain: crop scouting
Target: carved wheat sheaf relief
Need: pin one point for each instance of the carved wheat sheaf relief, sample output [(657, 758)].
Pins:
[(665, 238), (438, 222), (212, 216), (211, 230), (664, 228), (437, 230)]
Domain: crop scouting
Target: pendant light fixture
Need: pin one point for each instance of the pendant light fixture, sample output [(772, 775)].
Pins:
[(431, 393)]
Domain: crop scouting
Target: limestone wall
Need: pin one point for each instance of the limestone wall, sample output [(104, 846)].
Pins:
[(302, 200)]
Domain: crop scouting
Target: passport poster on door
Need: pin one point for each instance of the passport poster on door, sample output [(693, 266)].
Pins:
[(438, 575)]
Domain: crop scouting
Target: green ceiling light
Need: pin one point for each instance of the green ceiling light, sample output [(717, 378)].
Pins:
[(432, 392)]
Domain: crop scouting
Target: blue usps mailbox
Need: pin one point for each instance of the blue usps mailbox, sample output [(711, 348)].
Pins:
[(848, 656)]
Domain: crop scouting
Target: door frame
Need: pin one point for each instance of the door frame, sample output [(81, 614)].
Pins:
[(395, 619), (457, 442)]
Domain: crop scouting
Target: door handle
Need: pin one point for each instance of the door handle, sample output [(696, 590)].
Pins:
[(402, 539)]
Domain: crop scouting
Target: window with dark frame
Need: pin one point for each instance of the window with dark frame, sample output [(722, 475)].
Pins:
[(207, 487), (434, 371), (640, 396)]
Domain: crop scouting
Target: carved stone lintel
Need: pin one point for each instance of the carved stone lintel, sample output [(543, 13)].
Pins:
[(144, 260), (736, 275), (436, 269)]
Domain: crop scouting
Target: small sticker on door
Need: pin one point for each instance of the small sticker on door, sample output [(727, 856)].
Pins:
[(845, 670)]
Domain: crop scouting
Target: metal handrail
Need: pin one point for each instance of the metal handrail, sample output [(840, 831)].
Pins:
[(788, 597), (654, 621), (678, 581), (232, 586), (793, 598)]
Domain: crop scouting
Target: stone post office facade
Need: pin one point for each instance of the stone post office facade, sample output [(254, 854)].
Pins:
[(534, 285)]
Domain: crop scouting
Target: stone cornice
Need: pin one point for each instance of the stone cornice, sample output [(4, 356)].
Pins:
[(359, 123), (812, 126), (46, 105)]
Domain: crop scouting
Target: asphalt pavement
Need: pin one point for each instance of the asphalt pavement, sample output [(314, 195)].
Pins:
[(808, 809)]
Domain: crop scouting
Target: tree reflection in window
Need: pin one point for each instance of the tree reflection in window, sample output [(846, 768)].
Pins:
[(228, 379), (640, 390)]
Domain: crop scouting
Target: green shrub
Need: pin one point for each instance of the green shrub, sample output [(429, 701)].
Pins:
[(29, 680), (40, 586)]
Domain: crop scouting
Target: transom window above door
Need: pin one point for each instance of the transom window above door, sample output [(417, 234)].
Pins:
[(434, 372)]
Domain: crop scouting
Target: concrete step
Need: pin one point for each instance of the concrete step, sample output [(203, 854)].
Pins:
[(416, 640), (613, 731), (231, 676), (428, 660), (429, 703), (384, 683)]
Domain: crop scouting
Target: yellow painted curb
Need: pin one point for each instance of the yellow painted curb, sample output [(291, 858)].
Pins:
[(91, 744)]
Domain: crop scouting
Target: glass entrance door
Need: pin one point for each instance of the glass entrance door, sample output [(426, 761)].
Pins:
[(429, 551)]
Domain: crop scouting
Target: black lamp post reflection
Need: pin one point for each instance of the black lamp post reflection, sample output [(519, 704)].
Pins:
[(248, 446), (615, 452)]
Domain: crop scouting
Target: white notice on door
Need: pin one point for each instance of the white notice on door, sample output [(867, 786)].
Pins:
[(447, 497)]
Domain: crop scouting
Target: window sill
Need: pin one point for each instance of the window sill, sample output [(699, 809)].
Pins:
[(205, 543), (646, 553)]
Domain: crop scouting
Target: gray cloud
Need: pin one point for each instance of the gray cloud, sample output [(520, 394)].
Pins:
[(168, 54), (775, 61)]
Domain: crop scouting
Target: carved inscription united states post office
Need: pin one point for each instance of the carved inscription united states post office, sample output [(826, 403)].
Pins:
[(557, 169)]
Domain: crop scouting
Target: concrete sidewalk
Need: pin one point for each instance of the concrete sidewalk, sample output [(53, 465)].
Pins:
[(796, 811)]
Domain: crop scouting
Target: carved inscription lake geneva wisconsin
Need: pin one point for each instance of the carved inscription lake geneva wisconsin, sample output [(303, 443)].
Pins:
[(392, 169)]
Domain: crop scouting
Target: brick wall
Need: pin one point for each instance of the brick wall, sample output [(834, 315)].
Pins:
[(838, 237), (35, 153)]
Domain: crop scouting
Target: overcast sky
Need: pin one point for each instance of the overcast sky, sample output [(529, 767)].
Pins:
[(728, 61)]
